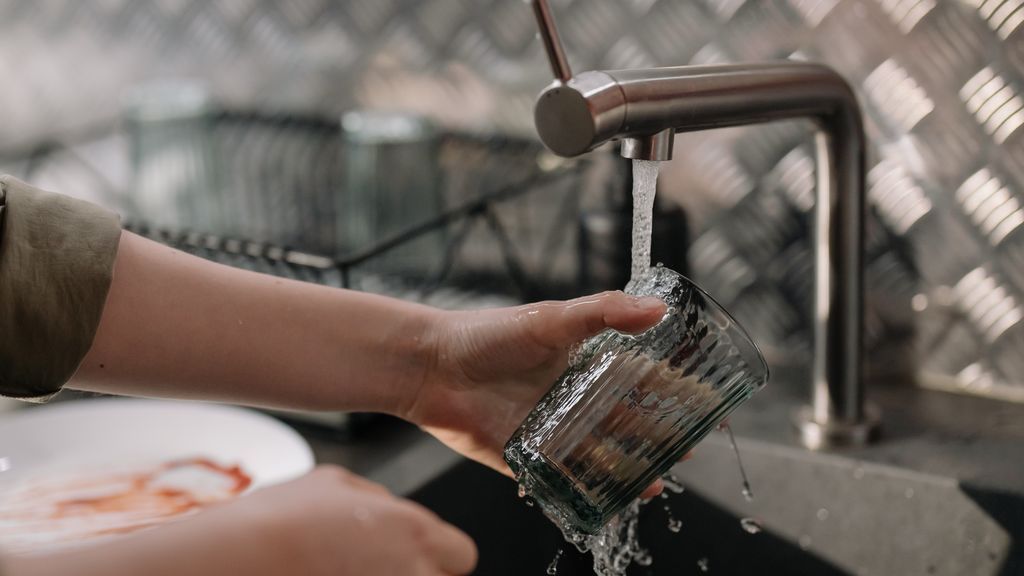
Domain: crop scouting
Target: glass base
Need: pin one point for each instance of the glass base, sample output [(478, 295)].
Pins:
[(561, 499)]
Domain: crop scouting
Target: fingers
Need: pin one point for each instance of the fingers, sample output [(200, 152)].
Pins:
[(455, 551), (340, 475), (560, 324), (658, 486), (450, 549), (653, 490)]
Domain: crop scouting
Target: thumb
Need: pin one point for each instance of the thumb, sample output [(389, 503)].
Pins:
[(560, 324)]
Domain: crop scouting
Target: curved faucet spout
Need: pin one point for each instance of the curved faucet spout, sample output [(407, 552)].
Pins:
[(644, 108), (594, 107)]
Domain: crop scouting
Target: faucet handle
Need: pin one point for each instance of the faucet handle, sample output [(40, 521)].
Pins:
[(552, 44)]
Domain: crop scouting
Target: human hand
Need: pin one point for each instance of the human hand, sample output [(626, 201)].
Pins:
[(492, 366), (327, 523)]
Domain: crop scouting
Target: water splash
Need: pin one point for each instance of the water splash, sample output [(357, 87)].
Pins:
[(643, 558), (672, 484), (617, 546), (553, 567), (645, 179), (703, 564), (576, 355), (674, 525), (614, 548), (751, 525), (748, 494)]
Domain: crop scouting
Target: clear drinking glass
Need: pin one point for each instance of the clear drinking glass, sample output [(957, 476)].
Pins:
[(631, 406)]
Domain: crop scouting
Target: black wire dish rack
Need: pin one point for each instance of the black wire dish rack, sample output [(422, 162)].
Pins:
[(508, 215)]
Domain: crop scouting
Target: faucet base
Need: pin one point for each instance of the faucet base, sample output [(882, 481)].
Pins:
[(836, 433)]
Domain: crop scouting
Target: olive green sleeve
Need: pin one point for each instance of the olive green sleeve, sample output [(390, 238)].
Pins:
[(56, 263)]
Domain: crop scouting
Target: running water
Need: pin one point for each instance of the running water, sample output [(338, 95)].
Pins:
[(616, 546), (751, 525), (553, 567), (747, 492), (674, 524), (645, 179)]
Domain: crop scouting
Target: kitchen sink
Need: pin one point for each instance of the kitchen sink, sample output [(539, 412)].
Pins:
[(820, 514), (941, 493), (514, 539)]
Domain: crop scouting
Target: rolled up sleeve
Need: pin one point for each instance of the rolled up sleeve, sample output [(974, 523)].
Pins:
[(56, 264)]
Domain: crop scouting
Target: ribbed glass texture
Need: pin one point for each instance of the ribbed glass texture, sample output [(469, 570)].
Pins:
[(631, 406)]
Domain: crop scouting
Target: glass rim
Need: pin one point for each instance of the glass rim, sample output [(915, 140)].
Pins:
[(717, 306)]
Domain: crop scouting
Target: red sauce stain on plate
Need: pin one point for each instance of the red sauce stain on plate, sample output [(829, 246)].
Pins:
[(143, 491), (51, 512)]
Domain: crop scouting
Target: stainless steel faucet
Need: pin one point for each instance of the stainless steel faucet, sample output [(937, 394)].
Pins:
[(645, 108)]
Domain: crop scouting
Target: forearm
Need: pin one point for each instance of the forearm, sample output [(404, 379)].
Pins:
[(175, 325)]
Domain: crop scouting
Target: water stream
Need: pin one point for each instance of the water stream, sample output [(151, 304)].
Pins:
[(645, 180), (747, 492), (616, 546)]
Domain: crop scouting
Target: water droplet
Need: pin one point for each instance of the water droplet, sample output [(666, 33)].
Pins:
[(553, 567), (703, 564), (822, 514), (672, 484), (576, 355), (674, 525), (805, 542), (748, 494), (751, 525), (528, 502), (664, 495), (858, 472), (643, 558), (522, 491), (909, 493)]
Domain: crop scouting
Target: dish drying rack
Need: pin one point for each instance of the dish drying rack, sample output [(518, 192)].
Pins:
[(509, 211)]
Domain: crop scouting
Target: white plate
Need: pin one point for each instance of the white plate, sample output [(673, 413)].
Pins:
[(45, 450)]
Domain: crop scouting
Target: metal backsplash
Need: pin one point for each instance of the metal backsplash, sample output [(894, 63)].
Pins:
[(941, 81)]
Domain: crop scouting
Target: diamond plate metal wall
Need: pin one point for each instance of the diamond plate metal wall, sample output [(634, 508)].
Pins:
[(941, 82)]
